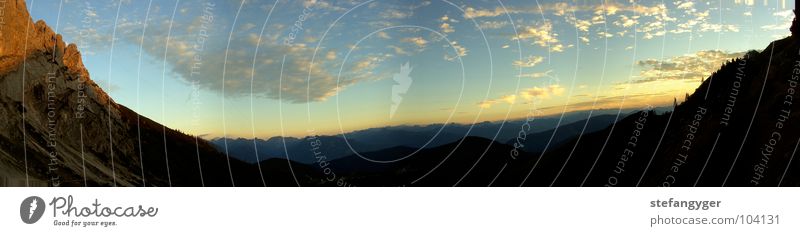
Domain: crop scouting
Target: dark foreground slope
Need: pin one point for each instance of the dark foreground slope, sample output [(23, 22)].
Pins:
[(739, 128)]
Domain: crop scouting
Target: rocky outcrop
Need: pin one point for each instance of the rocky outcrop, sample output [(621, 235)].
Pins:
[(61, 129)]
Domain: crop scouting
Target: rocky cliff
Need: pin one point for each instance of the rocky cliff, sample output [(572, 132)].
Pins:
[(61, 129)]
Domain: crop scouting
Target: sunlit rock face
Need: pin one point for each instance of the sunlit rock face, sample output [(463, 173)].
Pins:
[(60, 129)]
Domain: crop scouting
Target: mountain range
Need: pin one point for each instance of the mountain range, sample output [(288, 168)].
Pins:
[(422, 136), (61, 129)]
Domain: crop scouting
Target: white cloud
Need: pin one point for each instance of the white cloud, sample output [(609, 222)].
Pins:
[(531, 61), (446, 28), (383, 35), (536, 75), (331, 55), (528, 94), (460, 51), (685, 5), (419, 41), (693, 66), (492, 24), (542, 92), (541, 35)]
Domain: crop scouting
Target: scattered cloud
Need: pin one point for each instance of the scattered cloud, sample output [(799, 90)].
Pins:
[(536, 75), (419, 41), (493, 24), (531, 61), (383, 35), (528, 94), (784, 19), (542, 92), (541, 35), (459, 51), (446, 28), (687, 67)]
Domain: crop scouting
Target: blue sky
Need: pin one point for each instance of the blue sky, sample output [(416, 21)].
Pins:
[(471, 61)]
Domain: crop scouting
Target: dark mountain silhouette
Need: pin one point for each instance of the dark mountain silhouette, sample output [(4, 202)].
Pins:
[(439, 166), (298, 150), (537, 142), (418, 136)]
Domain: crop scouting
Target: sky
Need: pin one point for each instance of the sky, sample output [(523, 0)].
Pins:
[(231, 68)]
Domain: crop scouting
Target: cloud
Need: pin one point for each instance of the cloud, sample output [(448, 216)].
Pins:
[(419, 41), (698, 21), (686, 5), (236, 71), (528, 94), (383, 35), (531, 61), (536, 75), (471, 13), (460, 51), (626, 22), (394, 14), (492, 24), (85, 35), (446, 28), (248, 26), (559, 9), (399, 50), (687, 67), (650, 20), (331, 55), (510, 99), (785, 21), (542, 92), (541, 35)]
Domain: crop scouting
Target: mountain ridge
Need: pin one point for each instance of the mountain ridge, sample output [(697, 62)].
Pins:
[(62, 129)]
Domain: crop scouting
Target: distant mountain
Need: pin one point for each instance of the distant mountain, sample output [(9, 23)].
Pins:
[(471, 161), (416, 136), (537, 142), (299, 150)]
